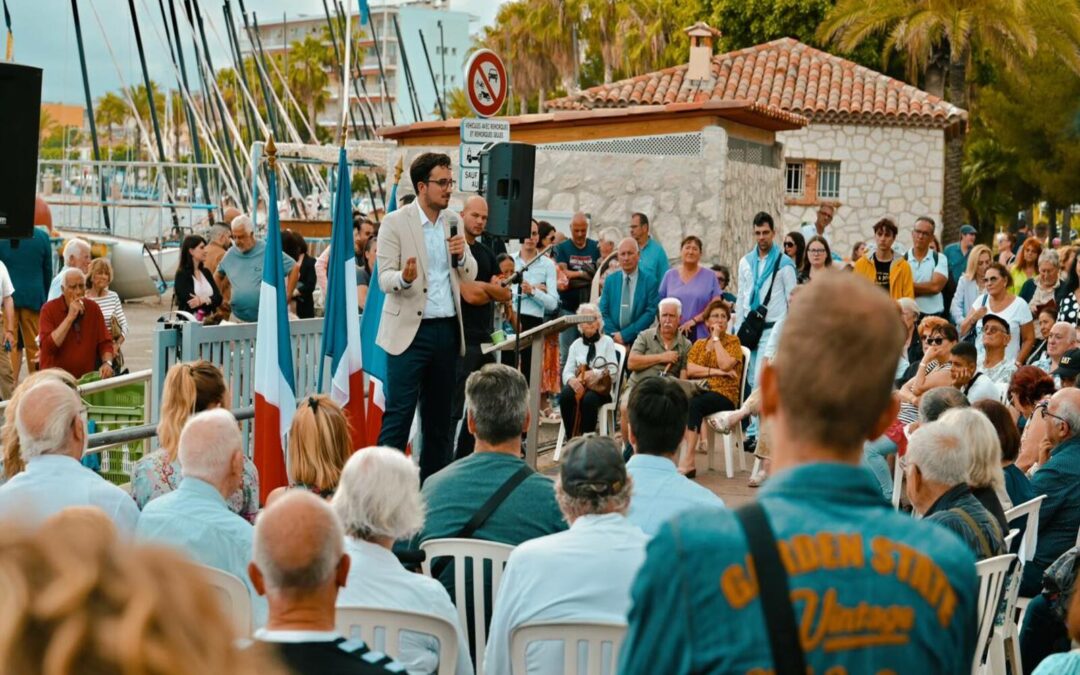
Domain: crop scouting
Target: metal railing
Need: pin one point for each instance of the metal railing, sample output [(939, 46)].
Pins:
[(140, 196)]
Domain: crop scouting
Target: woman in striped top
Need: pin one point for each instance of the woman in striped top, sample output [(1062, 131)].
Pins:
[(98, 279)]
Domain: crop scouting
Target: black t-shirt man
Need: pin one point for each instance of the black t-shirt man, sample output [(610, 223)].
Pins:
[(477, 320), (335, 657), (881, 272), (577, 259)]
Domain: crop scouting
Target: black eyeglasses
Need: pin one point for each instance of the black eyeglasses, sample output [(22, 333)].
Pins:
[(990, 280), (815, 250), (789, 244), (935, 341), (444, 183), (1044, 408)]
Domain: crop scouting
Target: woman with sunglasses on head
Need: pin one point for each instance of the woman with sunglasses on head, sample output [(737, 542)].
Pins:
[(970, 284), (1000, 301), (818, 258), (795, 248)]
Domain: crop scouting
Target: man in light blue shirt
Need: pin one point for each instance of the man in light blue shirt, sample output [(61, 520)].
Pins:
[(657, 414), (77, 256), (654, 259), (194, 518), (929, 269), (596, 561), (239, 274), (52, 437)]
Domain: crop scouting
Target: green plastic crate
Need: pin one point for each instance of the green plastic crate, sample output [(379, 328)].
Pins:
[(117, 462), (130, 395)]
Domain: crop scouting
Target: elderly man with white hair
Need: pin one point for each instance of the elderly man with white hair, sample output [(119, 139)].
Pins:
[(1059, 339), (76, 257), (72, 332), (594, 562), (299, 564), (938, 465), (195, 518), (52, 437), (239, 274), (378, 501)]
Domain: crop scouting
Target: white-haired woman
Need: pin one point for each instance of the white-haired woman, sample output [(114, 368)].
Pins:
[(909, 313), (589, 357), (378, 501), (987, 479)]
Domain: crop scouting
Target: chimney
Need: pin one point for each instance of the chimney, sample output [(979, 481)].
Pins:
[(701, 50)]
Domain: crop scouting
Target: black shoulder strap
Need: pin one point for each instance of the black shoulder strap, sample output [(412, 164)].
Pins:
[(772, 579), (485, 511), (772, 282)]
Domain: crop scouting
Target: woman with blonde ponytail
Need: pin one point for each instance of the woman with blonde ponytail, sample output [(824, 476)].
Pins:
[(319, 446), (189, 388)]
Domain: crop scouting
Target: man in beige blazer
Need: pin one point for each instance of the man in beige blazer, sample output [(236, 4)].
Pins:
[(420, 268)]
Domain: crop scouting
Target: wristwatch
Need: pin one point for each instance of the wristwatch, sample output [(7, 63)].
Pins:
[(716, 339)]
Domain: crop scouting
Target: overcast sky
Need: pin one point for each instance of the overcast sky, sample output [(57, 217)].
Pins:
[(45, 37)]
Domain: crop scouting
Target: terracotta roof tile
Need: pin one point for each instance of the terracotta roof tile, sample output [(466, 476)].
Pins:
[(784, 75)]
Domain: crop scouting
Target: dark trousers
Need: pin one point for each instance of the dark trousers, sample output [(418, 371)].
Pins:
[(1041, 635), (424, 373), (590, 407), (474, 360), (704, 404), (528, 323)]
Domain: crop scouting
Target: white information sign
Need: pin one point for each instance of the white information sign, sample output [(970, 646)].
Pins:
[(476, 135)]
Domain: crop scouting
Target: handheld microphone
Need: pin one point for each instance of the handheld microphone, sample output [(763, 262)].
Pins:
[(453, 259)]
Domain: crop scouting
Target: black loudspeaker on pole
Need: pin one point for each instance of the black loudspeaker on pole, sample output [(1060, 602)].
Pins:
[(20, 117), (506, 180)]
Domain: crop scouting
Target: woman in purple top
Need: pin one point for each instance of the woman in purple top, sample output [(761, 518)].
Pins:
[(694, 286)]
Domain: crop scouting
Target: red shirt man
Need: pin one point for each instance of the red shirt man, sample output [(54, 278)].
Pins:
[(73, 334)]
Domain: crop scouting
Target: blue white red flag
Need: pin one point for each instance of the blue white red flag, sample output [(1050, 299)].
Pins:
[(375, 360), (341, 329), (275, 388)]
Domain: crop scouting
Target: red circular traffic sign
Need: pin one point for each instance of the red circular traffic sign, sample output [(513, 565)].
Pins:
[(486, 85)]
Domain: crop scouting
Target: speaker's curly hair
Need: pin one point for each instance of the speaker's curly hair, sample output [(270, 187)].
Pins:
[(74, 598)]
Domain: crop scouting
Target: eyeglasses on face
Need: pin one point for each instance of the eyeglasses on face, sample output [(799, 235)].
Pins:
[(933, 340), (923, 233), (445, 183), (991, 279), (993, 330), (722, 280), (1044, 409), (789, 244), (815, 250)]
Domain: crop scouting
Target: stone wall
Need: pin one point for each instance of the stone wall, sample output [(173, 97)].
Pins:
[(706, 194), (895, 172)]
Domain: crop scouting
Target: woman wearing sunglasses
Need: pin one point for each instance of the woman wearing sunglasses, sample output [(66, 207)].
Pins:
[(937, 337), (795, 248), (1000, 301)]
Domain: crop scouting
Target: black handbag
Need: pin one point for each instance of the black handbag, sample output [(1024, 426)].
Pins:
[(753, 325)]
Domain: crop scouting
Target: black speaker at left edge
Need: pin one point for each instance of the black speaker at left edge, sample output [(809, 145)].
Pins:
[(20, 118)]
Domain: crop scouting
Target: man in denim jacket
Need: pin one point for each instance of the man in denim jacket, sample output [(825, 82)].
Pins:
[(872, 590)]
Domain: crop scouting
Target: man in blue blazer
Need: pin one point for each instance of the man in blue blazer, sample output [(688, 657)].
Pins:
[(624, 320)]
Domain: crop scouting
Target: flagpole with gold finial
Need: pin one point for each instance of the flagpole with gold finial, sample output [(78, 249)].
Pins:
[(346, 101)]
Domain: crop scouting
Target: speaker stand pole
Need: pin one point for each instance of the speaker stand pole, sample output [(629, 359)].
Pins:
[(90, 114)]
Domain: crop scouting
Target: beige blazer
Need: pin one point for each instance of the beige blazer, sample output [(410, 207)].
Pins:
[(401, 236)]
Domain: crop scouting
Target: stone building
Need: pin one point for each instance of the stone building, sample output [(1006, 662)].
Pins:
[(702, 168), (875, 146)]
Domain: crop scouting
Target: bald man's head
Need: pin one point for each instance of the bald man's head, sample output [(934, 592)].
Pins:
[(211, 450), (474, 216), (629, 253), (299, 545), (810, 386), (579, 229), (1063, 421), (60, 432)]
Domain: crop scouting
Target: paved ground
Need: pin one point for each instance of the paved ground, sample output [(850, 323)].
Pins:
[(142, 316)]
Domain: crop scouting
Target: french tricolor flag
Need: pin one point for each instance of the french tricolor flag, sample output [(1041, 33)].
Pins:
[(375, 359), (341, 330), (275, 388)]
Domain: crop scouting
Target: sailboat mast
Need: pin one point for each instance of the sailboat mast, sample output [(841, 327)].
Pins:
[(90, 112)]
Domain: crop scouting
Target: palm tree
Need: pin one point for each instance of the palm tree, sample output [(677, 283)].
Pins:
[(922, 29), (137, 94), (110, 110), (309, 62), (45, 123)]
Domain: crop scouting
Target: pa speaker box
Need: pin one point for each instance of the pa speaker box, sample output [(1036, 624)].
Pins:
[(507, 170), (20, 116)]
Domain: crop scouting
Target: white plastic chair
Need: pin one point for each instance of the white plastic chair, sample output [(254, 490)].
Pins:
[(595, 635), (1004, 644), (607, 410), (733, 439), (1030, 540), (478, 551), (235, 598), (1013, 533), (991, 574), (365, 623)]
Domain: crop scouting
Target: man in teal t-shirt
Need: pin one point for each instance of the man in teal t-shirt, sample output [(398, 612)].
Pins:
[(239, 274), (654, 258)]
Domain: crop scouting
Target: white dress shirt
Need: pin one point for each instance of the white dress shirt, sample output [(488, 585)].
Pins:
[(785, 281), (52, 483), (377, 579), (579, 351), (661, 492), (582, 574)]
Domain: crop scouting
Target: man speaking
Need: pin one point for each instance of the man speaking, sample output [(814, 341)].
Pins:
[(422, 260)]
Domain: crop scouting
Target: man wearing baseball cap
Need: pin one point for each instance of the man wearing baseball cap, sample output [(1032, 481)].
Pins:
[(583, 574), (957, 252), (1068, 368)]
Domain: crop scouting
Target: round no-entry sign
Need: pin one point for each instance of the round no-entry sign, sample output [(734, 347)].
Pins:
[(486, 85)]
